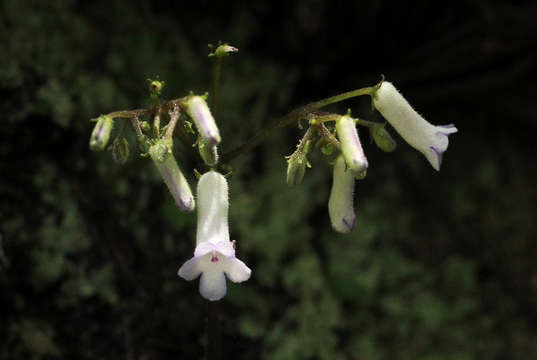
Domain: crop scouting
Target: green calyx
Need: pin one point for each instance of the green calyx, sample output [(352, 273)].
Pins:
[(382, 138), (120, 150)]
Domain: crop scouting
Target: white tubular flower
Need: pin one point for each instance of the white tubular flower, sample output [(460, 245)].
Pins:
[(351, 146), (172, 176), (201, 115), (430, 140), (340, 204), (214, 257)]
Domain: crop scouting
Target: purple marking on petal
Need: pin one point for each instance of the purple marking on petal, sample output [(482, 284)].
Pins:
[(439, 133), (349, 223), (214, 258), (99, 130), (438, 154), (448, 126)]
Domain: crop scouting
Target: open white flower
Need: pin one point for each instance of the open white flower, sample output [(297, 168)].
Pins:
[(214, 256), (340, 204), (429, 139)]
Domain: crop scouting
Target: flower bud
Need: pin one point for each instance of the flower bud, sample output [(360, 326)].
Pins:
[(201, 115), (296, 168), (351, 146), (101, 133), (173, 177), (120, 150), (144, 126), (340, 204), (208, 153), (382, 138), (432, 141)]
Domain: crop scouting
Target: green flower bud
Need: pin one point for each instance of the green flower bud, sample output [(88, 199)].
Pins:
[(382, 137), (296, 168), (155, 86), (101, 133), (209, 153), (120, 150), (144, 125), (173, 177)]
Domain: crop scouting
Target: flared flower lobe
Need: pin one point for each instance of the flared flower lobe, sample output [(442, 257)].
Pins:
[(432, 141)]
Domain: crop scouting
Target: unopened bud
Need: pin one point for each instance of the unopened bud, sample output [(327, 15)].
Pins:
[(382, 137), (209, 153), (144, 125), (201, 115), (101, 133), (120, 150), (351, 146), (296, 167), (340, 204), (174, 178), (155, 87)]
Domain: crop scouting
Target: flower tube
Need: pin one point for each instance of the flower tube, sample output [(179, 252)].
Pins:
[(340, 204), (351, 146), (214, 256), (201, 115), (432, 141), (172, 176)]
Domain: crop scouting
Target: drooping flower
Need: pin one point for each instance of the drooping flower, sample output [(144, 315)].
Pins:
[(432, 141), (351, 146), (203, 119), (172, 175), (340, 204), (214, 256)]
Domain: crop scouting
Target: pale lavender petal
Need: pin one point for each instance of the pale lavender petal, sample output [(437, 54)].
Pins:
[(237, 271), (204, 248), (225, 248), (213, 285), (191, 269), (435, 157)]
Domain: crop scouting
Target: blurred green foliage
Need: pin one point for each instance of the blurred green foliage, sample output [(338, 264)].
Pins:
[(440, 266)]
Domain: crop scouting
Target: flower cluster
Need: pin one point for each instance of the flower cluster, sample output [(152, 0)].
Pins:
[(351, 163)]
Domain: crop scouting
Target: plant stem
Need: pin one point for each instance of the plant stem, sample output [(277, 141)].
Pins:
[(217, 67), (291, 118), (213, 346), (347, 95), (174, 116)]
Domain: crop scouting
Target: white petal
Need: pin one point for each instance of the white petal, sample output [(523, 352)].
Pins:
[(191, 269), (340, 204), (237, 271), (213, 285), (225, 248), (213, 207), (204, 248)]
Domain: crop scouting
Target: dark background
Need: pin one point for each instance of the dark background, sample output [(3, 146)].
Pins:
[(440, 265)]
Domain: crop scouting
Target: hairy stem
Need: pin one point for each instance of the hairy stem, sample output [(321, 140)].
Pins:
[(291, 118)]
